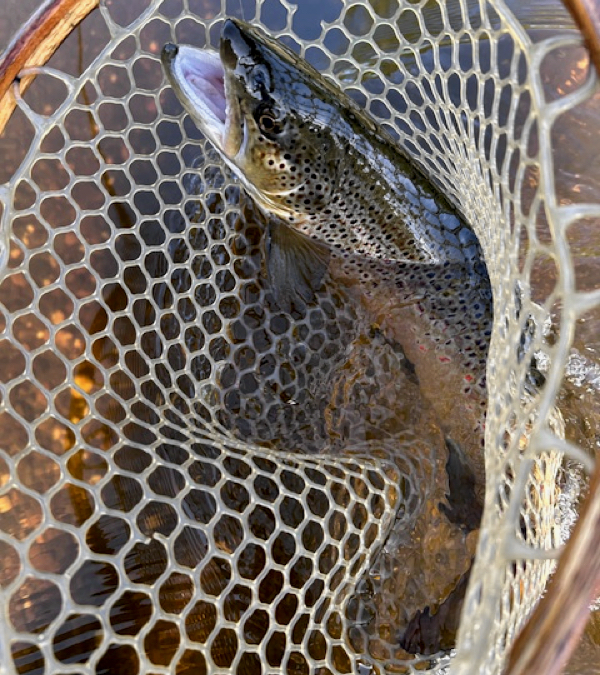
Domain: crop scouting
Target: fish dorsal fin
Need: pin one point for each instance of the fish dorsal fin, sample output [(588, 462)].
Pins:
[(296, 265)]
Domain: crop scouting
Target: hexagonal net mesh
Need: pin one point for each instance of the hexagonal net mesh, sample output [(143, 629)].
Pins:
[(176, 493)]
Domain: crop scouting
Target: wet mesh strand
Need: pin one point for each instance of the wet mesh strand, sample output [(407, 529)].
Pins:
[(138, 532)]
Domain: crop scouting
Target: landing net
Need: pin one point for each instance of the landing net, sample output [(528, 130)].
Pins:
[(165, 503)]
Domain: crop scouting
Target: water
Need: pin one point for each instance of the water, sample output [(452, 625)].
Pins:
[(367, 383)]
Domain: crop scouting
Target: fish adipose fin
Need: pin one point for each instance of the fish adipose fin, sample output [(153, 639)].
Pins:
[(296, 265)]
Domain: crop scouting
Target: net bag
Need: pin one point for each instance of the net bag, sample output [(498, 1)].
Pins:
[(168, 503)]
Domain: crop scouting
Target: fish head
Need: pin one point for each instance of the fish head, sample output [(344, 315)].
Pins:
[(267, 112)]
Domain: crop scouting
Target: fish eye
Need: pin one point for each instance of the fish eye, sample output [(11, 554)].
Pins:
[(268, 121)]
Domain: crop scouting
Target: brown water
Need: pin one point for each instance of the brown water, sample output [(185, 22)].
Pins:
[(578, 180)]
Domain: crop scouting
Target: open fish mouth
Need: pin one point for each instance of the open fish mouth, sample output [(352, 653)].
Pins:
[(198, 77)]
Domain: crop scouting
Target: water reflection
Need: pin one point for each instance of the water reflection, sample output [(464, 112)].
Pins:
[(395, 400)]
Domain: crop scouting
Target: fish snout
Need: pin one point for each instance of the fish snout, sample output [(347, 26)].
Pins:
[(231, 30), (169, 53), (234, 43)]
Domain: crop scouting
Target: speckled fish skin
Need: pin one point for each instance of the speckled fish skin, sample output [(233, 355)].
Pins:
[(310, 155), (321, 167), (442, 316)]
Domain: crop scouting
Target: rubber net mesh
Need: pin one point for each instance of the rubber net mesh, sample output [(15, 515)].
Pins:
[(171, 497)]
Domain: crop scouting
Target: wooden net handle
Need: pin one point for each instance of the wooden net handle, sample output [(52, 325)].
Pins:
[(587, 17), (39, 38), (35, 43)]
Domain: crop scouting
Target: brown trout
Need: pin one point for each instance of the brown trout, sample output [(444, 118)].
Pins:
[(344, 200), (307, 153)]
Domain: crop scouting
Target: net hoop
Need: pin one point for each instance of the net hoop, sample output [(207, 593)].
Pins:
[(56, 19)]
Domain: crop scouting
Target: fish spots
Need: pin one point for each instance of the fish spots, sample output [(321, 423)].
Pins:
[(348, 185)]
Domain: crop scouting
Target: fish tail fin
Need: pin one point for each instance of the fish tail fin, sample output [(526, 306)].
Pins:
[(296, 265)]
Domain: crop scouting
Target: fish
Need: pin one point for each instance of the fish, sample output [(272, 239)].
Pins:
[(342, 199), (345, 208), (308, 154)]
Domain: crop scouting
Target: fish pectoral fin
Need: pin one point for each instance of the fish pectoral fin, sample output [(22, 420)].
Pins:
[(463, 509), (296, 265)]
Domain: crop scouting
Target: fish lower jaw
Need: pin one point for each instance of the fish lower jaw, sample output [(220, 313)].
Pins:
[(199, 78)]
